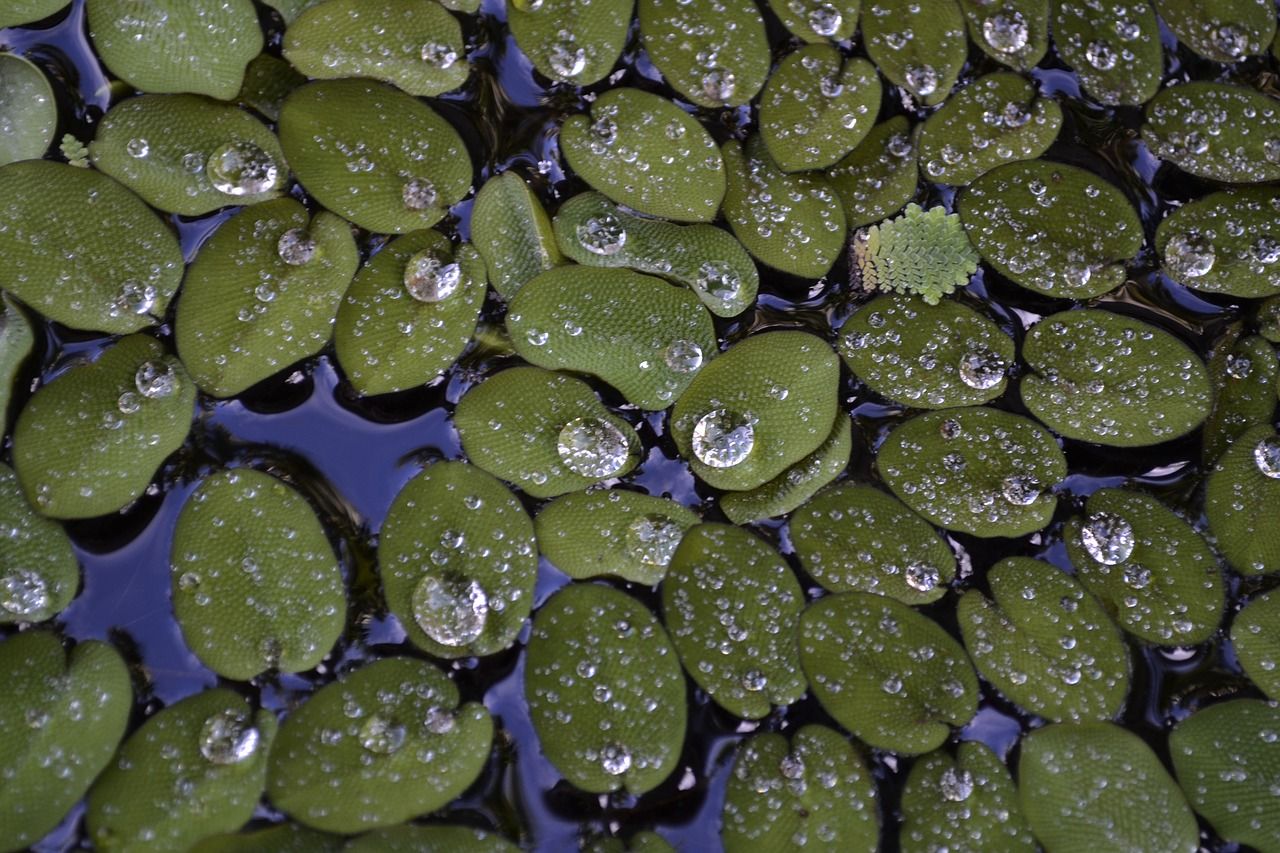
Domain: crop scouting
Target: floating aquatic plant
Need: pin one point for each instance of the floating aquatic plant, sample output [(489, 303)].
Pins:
[(921, 252)]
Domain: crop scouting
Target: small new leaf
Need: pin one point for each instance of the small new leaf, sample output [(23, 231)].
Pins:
[(75, 151), (924, 252)]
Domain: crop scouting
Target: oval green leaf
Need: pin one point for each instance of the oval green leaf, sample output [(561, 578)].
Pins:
[(797, 483), (571, 41), (1114, 48), (816, 21), (281, 838), (267, 82), (39, 573), (1242, 499), (1255, 634), (879, 176), (512, 232), (18, 12), (28, 114), (1224, 30), (1013, 32), (1244, 373), (918, 46), (17, 341), (1216, 130), (1224, 242), (433, 838), (715, 55)]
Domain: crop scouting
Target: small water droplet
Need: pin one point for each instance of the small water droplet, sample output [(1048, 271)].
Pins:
[(825, 20), (922, 577), (615, 759), (566, 58), (719, 83), (719, 280), (1137, 576), (1101, 55), (923, 80), (440, 55), (722, 439), (956, 785), (683, 356), (439, 721), (1020, 489), (593, 447), (137, 147), (791, 766), (134, 297)]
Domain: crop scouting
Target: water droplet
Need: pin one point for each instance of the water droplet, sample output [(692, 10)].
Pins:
[(156, 380), (615, 759), (1101, 55), (1271, 149), (1266, 455), (956, 785), (440, 55), (134, 297), (439, 721), (718, 83), (1265, 250), (1006, 31), (593, 447), (137, 147), (242, 168), (1238, 366), (296, 246), (418, 194), (429, 278), (922, 79), (1137, 576), (1188, 255), (451, 611), (380, 735), (791, 766), (718, 279), (227, 737), (1231, 40), (128, 403), (683, 356), (1108, 538), (722, 439), (981, 368), (892, 685), (1020, 489), (566, 58), (825, 20), (602, 235), (653, 539), (23, 593), (899, 145), (922, 577), (754, 681)]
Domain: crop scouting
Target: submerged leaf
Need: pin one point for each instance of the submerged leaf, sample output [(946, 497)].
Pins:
[(571, 41), (1014, 32), (1224, 30), (512, 232), (962, 803), (1216, 130), (38, 570), (714, 55), (797, 483), (1224, 242), (879, 176), (921, 252), (1242, 501), (1114, 48), (28, 114), (1255, 634), (918, 46)]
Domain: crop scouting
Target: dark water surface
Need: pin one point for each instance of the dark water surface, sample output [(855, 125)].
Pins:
[(350, 456)]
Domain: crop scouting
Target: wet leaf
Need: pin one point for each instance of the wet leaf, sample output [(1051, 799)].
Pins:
[(614, 532), (17, 340), (1013, 32), (290, 9), (817, 21), (409, 313), (713, 54), (1095, 786), (62, 718), (18, 12), (593, 231), (1268, 319), (854, 537), (28, 114), (1225, 30), (927, 356), (976, 470), (879, 176), (817, 107), (922, 252), (413, 44), (1045, 643), (199, 46), (281, 838), (458, 561), (543, 431), (677, 173), (817, 787), (195, 769), (641, 842), (766, 403), (83, 250), (996, 119), (1216, 130), (963, 803), (255, 583), (732, 606), (383, 744), (1224, 242), (1154, 573), (794, 223), (1255, 634), (886, 673), (571, 41), (512, 232), (918, 46), (267, 82), (797, 483), (374, 155), (1242, 499), (1114, 48), (90, 441), (1107, 378), (605, 690), (1244, 373), (433, 838), (1051, 228), (262, 293), (38, 570)]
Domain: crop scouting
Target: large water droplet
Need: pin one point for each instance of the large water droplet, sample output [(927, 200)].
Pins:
[(683, 356), (981, 368), (825, 20), (451, 611), (722, 439), (156, 379), (296, 246), (615, 759), (1266, 455), (1006, 31), (1020, 489), (718, 83), (1101, 55), (602, 235), (23, 593), (380, 735), (593, 447), (956, 785), (1231, 40), (719, 280), (418, 194), (1188, 256), (440, 55), (228, 738), (1108, 538), (134, 297), (137, 147), (923, 80), (653, 539), (429, 278), (242, 168), (566, 58), (1137, 576), (440, 721), (922, 577)]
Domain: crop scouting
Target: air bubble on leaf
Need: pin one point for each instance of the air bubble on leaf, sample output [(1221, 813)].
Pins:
[(602, 235), (718, 83), (242, 168), (418, 194), (23, 593), (956, 785), (1189, 256), (1266, 455), (429, 278), (982, 368), (653, 539), (227, 737), (156, 380), (453, 612), (825, 20), (923, 80), (1006, 31), (722, 439), (567, 58), (683, 356), (1020, 489), (922, 577), (381, 736), (615, 759), (1108, 538), (593, 447), (296, 247)]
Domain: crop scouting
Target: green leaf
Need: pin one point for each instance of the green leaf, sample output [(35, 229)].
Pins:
[(90, 441), (255, 583), (1255, 634), (976, 470), (1268, 319), (1155, 574), (83, 250), (797, 483), (17, 340), (381, 745), (458, 561), (816, 107), (74, 150), (1114, 48), (1107, 378), (195, 769), (433, 838), (794, 223), (963, 803), (996, 119), (39, 573), (290, 9), (921, 252), (593, 231), (281, 838), (1224, 242), (675, 174), (879, 176), (643, 336), (625, 534), (605, 690), (1051, 228), (886, 673), (267, 82), (28, 113), (374, 155), (1013, 32), (1216, 130), (413, 44), (715, 55), (854, 537), (641, 842), (1225, 30), (409, 313), (1242, 499), (1244, 373), (928, 356), (62, 718), (732, 606), (815, 787), (571, 41), (816, 21), (544, 431), (262, 293), (918, 46), (199, 46), (188, 154), (769, 401), (512, 232), (1045, 642), (1093, 786), (18, 12)]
